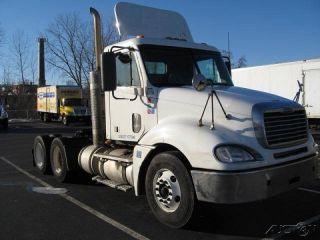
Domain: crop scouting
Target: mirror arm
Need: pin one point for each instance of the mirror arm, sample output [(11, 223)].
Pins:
[(120, 48), (228, 116), (130, 99), (133, 99), (210, 96)]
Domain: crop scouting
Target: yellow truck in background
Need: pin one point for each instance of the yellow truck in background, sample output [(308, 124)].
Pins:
[(64, 103)]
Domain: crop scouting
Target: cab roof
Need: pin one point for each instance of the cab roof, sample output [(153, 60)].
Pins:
[(138, 41)]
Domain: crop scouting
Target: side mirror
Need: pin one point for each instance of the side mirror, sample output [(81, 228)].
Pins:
[(228, 63), (199, 82), (108, 71), (124, 57)]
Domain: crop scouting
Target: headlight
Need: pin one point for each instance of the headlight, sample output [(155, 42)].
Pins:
[(233, 154)]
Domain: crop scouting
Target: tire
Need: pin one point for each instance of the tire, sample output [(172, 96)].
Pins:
[(65, 120), (58, 161), (41, 154), (64, 153), (169, 189)]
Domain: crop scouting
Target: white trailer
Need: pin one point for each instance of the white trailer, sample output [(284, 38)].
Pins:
[(176, 129), (281, 79)]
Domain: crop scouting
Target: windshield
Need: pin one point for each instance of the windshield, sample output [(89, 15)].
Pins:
[(73, 102), (173, 66)]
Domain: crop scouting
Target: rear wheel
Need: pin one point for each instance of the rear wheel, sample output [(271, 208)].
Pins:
[(59, 161), (41, 154), (169, 190)]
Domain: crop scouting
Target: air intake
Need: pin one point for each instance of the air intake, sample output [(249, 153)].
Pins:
[(285, 128)]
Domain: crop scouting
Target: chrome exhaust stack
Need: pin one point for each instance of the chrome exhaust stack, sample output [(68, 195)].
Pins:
[(97, 37), (110, 166), (98, 133)]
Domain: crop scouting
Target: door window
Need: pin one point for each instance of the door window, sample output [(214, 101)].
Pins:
[(127, 71)]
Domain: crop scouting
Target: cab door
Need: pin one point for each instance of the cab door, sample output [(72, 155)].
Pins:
[(130, 112)]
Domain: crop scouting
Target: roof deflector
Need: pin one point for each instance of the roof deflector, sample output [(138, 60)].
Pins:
[(133, 20)]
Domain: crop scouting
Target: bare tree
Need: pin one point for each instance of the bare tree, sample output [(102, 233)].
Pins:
[(6, 75), (65, 50), (33, 67), (241, 62), (70, 47), (20, 50)]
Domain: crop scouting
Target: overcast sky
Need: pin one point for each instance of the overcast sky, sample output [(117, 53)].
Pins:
[(265, 32)]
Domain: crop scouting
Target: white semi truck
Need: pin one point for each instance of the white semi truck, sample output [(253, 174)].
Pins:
[(299, 80), (176, 128)]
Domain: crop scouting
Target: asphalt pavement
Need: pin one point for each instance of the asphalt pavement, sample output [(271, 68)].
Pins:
[(91, 211)]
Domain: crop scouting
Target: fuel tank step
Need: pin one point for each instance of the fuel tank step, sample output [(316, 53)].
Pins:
[(113, 184)]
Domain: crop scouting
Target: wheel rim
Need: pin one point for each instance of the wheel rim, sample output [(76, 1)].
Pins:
[(166, 190), (39, 156), (57, 161)]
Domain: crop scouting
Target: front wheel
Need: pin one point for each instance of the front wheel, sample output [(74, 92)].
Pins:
[(65, 120), (169, 190)]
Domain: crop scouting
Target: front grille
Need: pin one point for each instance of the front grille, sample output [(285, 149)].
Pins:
[(285, 128)]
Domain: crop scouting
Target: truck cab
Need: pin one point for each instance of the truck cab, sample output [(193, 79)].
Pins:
[(73, 109), (175, 98), (156, 104)]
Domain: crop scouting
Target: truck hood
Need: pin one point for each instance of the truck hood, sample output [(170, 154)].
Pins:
[(235, 100)]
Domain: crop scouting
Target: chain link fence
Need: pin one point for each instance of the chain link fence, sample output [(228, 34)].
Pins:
[(24, 114)]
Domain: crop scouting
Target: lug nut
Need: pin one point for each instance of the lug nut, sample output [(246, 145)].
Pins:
[(173, 179), (177, 199)]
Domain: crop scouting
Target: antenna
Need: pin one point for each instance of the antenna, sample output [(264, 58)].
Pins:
[(229, 45)]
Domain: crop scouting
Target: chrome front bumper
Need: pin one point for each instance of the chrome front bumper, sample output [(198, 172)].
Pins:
[(248, 186)]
